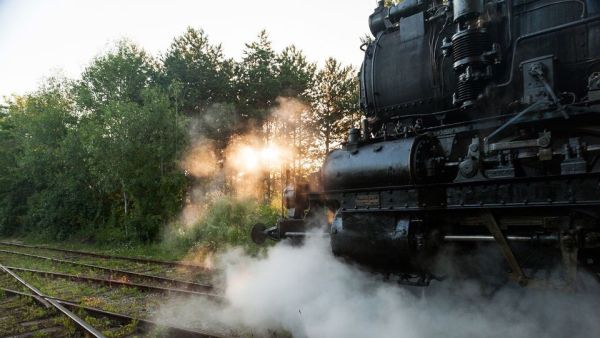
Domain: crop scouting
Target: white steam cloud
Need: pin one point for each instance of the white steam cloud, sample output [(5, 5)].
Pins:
[(309, 293)]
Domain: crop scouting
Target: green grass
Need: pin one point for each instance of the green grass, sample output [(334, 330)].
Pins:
[(226, 223), (126, 300), (118, 264), (22, 309), (158, 251)]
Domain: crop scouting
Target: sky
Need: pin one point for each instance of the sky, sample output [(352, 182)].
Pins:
[(41, 38)]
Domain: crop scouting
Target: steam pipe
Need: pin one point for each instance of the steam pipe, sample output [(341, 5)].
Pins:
[(406, 9), (485, 238), (536, 34), (393, 14)]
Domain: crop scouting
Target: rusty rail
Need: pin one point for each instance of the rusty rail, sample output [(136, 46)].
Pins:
[(179, 283), (173, 331), (46, 300), (111, 282), (99, 255)]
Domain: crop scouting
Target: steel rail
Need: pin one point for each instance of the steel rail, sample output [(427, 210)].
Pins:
[(122, 318), (83, 324), (99, 255), (180, 283), (111, 282)]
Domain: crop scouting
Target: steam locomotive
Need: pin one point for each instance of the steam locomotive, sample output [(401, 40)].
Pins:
[(482, 125)]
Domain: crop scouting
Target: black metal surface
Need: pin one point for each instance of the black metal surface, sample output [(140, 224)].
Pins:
[(483, 106), (386, 239)]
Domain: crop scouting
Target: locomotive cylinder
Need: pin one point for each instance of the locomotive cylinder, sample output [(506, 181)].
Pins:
[(397, 162)]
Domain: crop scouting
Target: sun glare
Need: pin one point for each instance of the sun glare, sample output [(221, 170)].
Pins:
[(250, 159)]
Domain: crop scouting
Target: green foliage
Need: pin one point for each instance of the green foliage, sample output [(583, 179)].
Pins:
[(226, 222), (46, 179), (257, 85), (201, 74), (101, 154), (334, 100), (120, 75), (294, 73), (97, 159), (133, 152)]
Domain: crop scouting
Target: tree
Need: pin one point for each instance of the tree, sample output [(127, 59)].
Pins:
[(333, 99), (99, 157), (200, 80), (201, 70), (133, 157), (133, 138), (49, 186), (119, 75), (256, 80), (294, 73), (13, 198)]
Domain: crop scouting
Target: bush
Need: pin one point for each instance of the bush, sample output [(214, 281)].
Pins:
[(226, 222)]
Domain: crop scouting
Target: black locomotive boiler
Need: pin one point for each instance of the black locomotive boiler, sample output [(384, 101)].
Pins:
[(482, 124)]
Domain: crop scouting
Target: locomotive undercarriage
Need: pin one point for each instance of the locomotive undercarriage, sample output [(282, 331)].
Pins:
[(385, 230), (388, 232)]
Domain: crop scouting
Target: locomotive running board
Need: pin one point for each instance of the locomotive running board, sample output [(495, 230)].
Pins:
[(517, 272)]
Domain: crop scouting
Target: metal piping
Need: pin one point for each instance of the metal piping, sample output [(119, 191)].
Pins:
[(487, 238), (538, 33)]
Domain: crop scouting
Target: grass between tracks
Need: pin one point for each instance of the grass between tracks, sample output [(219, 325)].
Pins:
[(16, 311), (124, 300), (20, 315), (145, 268), (223, 224)]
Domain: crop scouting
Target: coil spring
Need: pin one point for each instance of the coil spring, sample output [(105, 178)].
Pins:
[(468, 49), (470, 43), (468, 91)]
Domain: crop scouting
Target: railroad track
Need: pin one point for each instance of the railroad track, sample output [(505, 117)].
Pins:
[(99, 255), (112, 283), (169, 270), (115, 274), (67, 308)]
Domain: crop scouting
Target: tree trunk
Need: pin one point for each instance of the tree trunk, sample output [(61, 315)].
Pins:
[(327, 134), (126, 206), (125, 201)]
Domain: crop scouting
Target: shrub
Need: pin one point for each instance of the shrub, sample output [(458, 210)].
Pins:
[(226, 222)]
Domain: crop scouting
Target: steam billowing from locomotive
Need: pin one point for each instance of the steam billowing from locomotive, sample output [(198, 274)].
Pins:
[(317, 295), (481, 126)]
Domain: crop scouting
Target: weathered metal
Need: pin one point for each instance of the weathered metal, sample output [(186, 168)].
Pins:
[(80, 322), (481, 122), (112, 282), (113, 271), (99, 255), (171, 331)]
